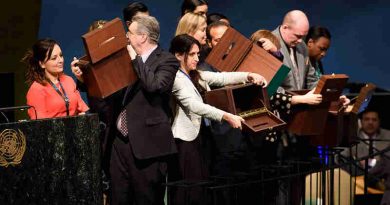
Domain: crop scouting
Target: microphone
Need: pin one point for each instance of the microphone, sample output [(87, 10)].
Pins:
[(5, 116), (23, 107)]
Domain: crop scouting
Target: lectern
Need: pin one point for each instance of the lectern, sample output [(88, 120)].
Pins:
[(107, 66), (311, 119), (235, 52), (51, 161)]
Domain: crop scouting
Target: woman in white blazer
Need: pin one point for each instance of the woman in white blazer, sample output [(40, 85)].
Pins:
[(190, 110)]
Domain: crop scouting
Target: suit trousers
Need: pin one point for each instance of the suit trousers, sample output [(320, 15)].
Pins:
[(136, 181)]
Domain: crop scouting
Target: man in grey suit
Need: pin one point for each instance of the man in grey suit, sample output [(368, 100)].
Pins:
[(294, 27), (290, 33), (372, 138)]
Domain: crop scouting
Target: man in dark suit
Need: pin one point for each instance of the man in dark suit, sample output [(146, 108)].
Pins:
[(144, 142)]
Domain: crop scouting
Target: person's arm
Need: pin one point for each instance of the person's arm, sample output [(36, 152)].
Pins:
[(229, 78), (186, 97), (161, 80), (76, 69), (78, 74), (309, 98)]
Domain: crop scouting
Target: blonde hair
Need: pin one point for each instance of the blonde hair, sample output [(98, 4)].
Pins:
[(189, 23), (97, 25), (266, 34)]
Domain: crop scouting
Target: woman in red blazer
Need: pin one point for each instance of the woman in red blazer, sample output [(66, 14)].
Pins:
[(51, 93)]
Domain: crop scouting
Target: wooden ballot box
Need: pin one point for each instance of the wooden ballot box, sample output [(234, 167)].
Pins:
[(311, 119), (251, 103), (341, 125), (107, 66), (234, 52)]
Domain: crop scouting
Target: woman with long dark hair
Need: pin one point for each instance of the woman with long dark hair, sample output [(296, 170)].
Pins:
[(190, 110), (51, 92)]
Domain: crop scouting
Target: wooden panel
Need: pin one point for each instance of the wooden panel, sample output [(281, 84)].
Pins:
[(311, 119), (260, 61), (100, 43), (363, 98), (237, 53), (341, 127), (222, 99), (246, 98), (229, 52), (331, 86), (107, 67)]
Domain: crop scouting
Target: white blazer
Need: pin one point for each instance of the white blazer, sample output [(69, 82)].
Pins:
[(189, 104)]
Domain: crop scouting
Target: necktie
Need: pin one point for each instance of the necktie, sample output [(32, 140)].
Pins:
[(122, 121), (295, 68), (292, 56), (370, 147)]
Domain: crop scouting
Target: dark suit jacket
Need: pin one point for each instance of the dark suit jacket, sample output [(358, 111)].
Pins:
[(147, 105)]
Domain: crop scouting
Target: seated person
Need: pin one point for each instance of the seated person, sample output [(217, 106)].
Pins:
[(52, 93), (372, 138)]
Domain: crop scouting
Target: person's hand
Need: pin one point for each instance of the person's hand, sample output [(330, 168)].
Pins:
[(268, 45), (76, 69), (312, 99), (309, 98), (257, 79), (131, 51), (234, 120), (344, 100), (82, 113)]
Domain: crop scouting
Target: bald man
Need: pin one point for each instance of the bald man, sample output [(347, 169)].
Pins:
[(294, 27), (290, 33)]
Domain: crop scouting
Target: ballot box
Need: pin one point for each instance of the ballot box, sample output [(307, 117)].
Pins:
[(107, 66), (235, 52), (311, 119), (249, 101)]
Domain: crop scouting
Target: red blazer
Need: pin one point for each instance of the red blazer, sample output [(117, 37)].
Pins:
[(48, 103)]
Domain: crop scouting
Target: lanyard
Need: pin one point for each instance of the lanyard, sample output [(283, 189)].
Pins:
[(185, 74), (63, 95)]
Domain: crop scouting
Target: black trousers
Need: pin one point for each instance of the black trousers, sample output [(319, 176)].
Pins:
[(190, 168), (136, 181)]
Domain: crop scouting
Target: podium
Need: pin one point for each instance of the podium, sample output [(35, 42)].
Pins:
[(51, 161), (107, 67), (309, 120), (341, 125), (236, 53)]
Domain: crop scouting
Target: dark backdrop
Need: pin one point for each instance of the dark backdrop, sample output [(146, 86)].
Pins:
[(359, 45)]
